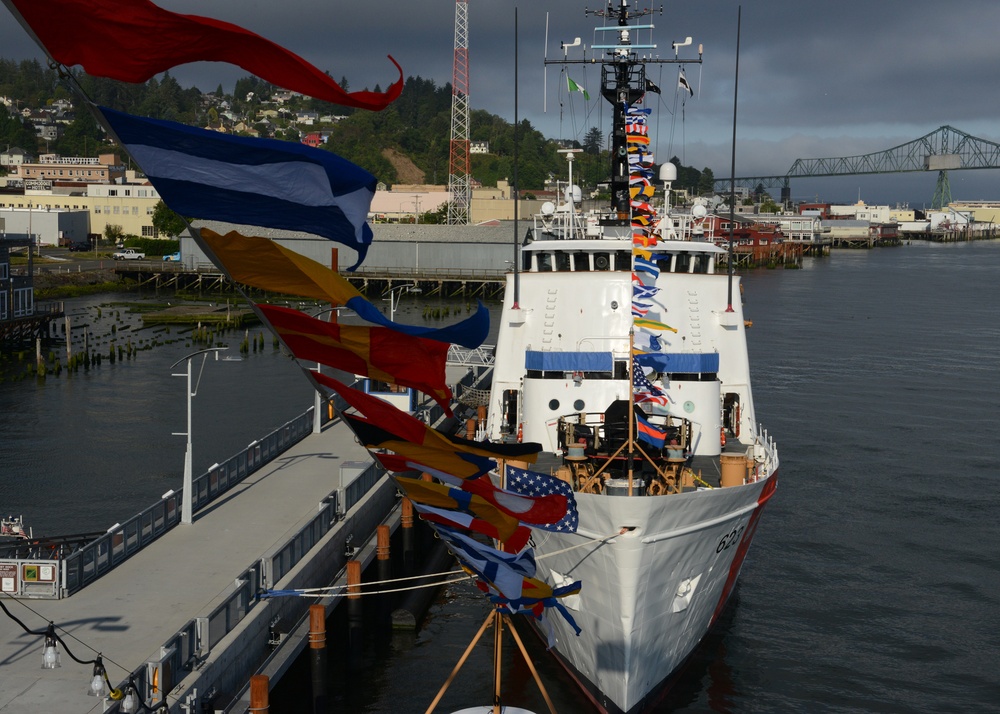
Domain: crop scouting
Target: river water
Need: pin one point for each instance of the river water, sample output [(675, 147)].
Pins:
[(873, 584)]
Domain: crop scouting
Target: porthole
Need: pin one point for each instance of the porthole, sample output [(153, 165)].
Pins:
[(553, 404), (689, 406), (579, 405)]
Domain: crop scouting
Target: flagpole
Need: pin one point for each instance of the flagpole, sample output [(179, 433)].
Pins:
[(517, 192), (631, 404), (497, 651), (732, 174)]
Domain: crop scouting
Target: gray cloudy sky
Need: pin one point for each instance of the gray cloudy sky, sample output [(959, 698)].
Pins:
[(816, 79)]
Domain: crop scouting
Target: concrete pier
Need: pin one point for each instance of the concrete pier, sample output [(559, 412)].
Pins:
[(130, 613)]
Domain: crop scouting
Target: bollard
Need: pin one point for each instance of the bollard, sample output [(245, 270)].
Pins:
[(317, 657), (259, 694)]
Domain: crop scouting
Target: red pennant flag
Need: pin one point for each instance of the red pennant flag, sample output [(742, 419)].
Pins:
[(134, 40), (408, 427)]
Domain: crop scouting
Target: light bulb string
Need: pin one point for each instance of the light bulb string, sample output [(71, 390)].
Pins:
[(98, 662), (50, 633)]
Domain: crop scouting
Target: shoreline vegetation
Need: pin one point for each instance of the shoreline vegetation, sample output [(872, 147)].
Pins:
[(121, 328)]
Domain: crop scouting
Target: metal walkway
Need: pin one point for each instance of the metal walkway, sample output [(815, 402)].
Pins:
[(130, 612)]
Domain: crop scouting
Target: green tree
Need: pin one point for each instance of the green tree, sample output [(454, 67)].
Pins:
[(769, 206), (166, 222), (14, 131), (593, 140), (706, 183), (82, 137), (113, 233)]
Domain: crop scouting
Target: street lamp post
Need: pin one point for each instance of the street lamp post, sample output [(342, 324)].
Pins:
[(317, 398), (188, 496), (394, 294)]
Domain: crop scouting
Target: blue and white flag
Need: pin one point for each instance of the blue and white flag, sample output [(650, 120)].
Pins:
[(643, 292), (505, 572), (534, 484), (646, 266), (647, 341), (260, 182)]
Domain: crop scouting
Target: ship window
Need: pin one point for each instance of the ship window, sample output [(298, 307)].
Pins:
[(602, 261), (683, 264), (581, 262), (544, 262), (623, 260), (579, 405), (701, 261), (562, 262), (621, 369), (664, 264), (526, 261), (553, 404)]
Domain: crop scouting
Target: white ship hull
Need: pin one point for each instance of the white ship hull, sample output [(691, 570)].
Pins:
[(651, 593)]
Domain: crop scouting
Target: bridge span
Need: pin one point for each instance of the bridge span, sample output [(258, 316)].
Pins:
[(943, 150)]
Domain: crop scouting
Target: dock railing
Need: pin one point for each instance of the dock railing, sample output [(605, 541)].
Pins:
[(54, 579), (196, 640)]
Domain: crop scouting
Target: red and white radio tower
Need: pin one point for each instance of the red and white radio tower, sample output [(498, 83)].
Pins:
[(458, 167)]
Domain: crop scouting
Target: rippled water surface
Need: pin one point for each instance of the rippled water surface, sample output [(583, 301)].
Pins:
[(874, 581)]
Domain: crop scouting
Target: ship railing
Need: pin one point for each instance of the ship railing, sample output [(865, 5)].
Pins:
[(764, 453), (599, 435), (480, 356), (561, 224)]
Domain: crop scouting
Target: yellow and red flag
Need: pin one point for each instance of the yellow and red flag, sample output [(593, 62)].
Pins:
[(374, 352)]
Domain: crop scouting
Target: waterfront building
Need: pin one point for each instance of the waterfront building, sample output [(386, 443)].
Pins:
[(15, 156), (43, 225), (52, 168), (129, 206), (17, 293)]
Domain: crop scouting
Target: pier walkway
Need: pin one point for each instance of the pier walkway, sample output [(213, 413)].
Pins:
[(129, 613)]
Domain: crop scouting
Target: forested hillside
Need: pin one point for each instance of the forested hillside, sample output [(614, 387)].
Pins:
[(416, 126)]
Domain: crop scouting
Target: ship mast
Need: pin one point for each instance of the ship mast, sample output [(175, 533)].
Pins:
[(623, 83)]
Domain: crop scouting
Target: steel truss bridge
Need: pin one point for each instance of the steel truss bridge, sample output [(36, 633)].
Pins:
[(945, 149)]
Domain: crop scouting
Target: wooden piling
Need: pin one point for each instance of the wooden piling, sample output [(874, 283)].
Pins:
[(317, 657), (355, 617), (259, 694)]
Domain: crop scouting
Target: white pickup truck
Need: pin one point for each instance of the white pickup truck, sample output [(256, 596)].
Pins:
[(128, 254)]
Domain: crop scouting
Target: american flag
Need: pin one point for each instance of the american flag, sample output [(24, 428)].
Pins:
[(532, 483), (641, 383)]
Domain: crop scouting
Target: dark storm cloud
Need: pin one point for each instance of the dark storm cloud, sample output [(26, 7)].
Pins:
[(816, 79)]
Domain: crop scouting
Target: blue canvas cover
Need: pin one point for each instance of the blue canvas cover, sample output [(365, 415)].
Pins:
[(568, 361)]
